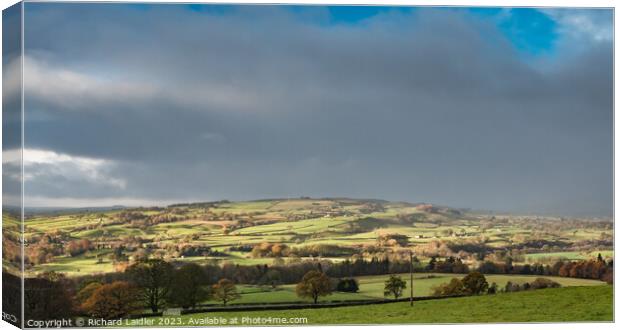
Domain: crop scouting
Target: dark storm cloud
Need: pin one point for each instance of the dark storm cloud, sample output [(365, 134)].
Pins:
[(256, 102)]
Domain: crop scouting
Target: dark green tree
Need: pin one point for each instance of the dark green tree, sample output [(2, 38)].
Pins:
[(347, 285), (188, 287), (153, 279), (394, 286)]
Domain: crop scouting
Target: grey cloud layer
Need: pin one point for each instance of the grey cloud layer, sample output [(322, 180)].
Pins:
[(436, 106)]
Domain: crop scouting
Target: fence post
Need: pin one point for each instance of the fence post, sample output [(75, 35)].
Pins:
[(411, 278)]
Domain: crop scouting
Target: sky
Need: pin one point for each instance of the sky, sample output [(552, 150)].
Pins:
[(485, 108)]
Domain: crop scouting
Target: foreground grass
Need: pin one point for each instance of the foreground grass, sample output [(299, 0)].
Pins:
[(549, 305)]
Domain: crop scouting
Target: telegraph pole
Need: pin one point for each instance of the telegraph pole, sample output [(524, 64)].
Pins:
[(411, 278)]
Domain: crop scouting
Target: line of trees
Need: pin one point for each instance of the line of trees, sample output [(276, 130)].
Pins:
[(154, 284), (475, 283), (316, 284), (597, 269)]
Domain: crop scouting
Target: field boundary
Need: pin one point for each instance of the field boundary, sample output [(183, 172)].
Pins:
[(247, 308)]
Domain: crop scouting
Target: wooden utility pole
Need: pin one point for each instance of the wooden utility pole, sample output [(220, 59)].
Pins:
[(411, 278)]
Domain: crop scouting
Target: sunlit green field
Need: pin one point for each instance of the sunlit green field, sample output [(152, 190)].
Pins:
[(533, 257), (371, 288), (76, 266), (547, 305)]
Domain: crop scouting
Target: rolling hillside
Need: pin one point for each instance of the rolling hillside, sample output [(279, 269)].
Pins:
[(288, 230)]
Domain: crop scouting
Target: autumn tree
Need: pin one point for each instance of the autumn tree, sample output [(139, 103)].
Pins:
[(188, 287), (453, 288), (225, 291), (313, 285), (86, 291), (113, 300), (152, 278), (608, 276), (394, 286), (392, 240), (78, 247)]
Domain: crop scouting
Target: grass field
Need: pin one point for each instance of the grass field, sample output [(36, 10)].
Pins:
[(547, 305), (569, 255), (371, 288), (76, 266)]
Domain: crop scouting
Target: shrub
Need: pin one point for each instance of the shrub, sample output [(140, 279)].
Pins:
[(347, 285), (512, 287), (453, 288), (542, 283)]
